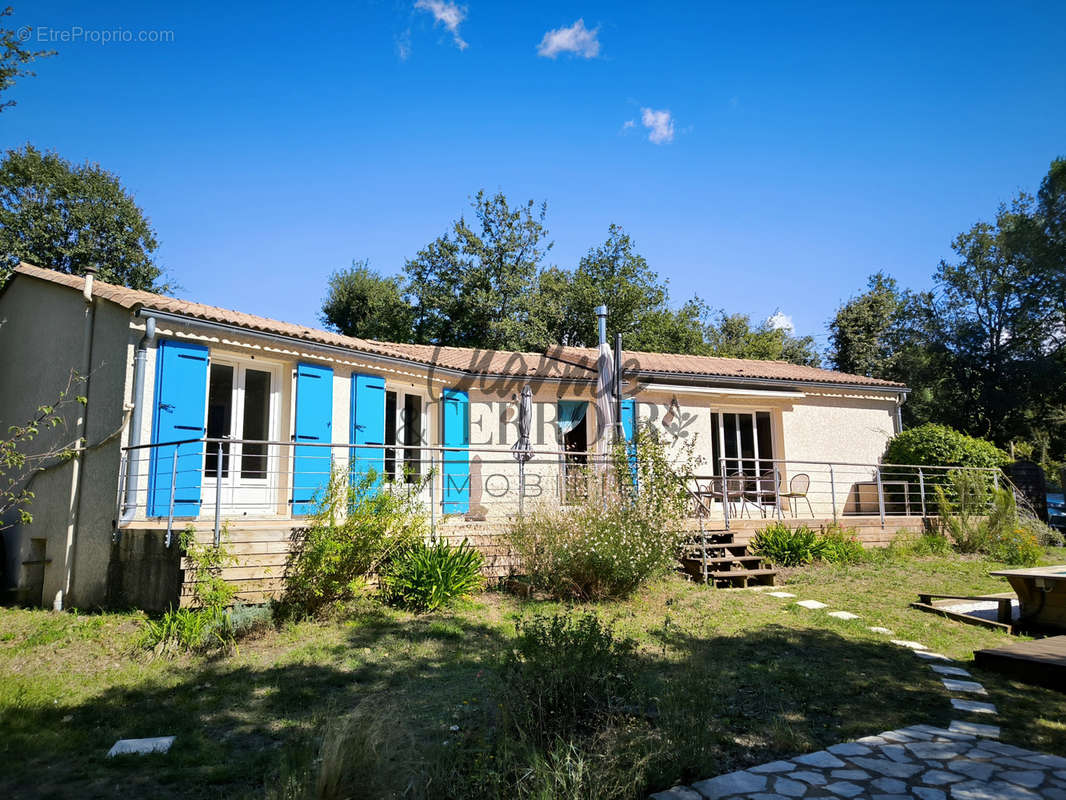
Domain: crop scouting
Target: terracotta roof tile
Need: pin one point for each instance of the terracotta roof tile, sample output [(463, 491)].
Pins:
[(557, 362)]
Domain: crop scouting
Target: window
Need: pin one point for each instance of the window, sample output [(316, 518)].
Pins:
[(744, 441), (412, 437), (403, 428)]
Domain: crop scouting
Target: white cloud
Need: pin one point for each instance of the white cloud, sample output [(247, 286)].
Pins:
[(660, 125), (780, 321), (403, 45), (629, 123), (576, 39), (447, 14)]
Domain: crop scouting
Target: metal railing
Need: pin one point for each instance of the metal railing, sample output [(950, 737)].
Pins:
[(213, 480)]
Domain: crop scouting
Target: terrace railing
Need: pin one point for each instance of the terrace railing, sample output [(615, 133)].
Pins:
[(213, 480)]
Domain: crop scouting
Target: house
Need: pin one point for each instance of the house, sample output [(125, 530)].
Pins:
[(204, 416)]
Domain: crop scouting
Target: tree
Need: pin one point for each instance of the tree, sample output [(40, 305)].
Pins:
[(614, 274), (734, 336), (363, 303), (65, 217), (473, 287), (14, 57), (862, 334)]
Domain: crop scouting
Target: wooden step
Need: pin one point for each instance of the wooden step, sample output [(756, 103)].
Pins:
[(752, 562)]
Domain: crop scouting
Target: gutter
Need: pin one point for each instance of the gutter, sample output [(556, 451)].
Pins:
[(753, 381)]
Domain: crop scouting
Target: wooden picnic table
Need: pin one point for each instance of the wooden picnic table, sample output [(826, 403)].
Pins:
[(1041, 594)]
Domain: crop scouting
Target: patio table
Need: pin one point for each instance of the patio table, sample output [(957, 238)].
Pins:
[(1041, 593)]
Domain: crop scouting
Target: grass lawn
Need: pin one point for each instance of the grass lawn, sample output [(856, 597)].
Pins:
[(737, 678)]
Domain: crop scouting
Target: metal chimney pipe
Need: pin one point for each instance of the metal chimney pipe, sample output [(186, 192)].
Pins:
[(601, 315)]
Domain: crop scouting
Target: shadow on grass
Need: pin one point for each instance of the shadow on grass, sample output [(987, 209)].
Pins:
[(724, 702), (236, 723), (730, 702)]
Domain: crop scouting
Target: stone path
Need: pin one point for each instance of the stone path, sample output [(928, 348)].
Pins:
[(960, 762), (920, 762)]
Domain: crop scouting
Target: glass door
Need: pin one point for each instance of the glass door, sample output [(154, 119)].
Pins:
[(242, 404), (742, 443)]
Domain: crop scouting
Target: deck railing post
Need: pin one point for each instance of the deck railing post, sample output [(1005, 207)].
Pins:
[(921, 489), (725, 494), (880, 497), (218, 496), (833, 491), (123, 459), (173, 485), (432, 498), (777, 491)]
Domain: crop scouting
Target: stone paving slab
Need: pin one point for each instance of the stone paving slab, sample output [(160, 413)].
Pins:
[(843, 615), (812, 604), (922, 761)]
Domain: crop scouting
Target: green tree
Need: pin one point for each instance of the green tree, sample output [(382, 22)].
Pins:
[(67, 217), (361, 302), (862, 335), (473, 287), (734, 336), (14, 57)]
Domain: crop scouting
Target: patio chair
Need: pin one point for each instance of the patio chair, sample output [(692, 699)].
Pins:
[(735, 491), (763, 493), (797, 490), (729, 490)]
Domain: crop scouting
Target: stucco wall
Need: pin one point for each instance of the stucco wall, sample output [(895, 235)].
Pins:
[(42, 338)]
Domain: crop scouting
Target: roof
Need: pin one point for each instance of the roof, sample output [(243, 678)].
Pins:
[(557, 362)]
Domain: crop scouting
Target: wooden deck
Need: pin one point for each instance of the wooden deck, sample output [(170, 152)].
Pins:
[(1041, 662)]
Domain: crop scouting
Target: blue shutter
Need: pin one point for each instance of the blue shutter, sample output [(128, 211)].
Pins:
[(367, 427), (314, 423), (180, 411), (455, 422), (629, 429)]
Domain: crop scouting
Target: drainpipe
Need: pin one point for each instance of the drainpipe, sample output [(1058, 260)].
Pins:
[(601, 317), (899, 413), (133, 458), (76, 466)]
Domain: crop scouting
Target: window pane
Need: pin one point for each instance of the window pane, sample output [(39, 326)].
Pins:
[(412, 437), (731, 454), (716, 449), (256, 423), (390, 435), (219, 418), (766, 436)]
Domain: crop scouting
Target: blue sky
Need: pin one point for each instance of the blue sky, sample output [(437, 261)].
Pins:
[(806, 145)]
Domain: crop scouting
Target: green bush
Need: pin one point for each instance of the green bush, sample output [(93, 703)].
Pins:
[(1018, 547), (425, 577), (970, 508), (564, 675), (356, 528), (941, 446), (612, 542), (785, 546), (839, 545)]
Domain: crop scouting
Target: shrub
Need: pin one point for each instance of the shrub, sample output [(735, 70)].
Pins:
[(939, 445), (615, 540), (564, 675), (839, 545), (785, 546), (968, 507), (1017, 547), (425, 577), (355, 528)]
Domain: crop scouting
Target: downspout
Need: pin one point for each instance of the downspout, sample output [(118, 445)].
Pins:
[(76, 468), (619, 426), (133, 461), (899, 412)]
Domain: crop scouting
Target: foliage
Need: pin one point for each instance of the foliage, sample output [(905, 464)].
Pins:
[(563, 675), (17, 466), (837, 545), (734, 336), (471, 287), (861, 339), (210, 623), (357, 526), (969, 509), (612, 542), (424, 577), (68, 217), (14, 57), (1016, 547), (939, 445), (786, 546), (363, 303)]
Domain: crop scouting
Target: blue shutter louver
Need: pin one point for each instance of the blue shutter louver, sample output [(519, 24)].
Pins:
[(455, 423), (629, 429), (179, 414), (367, 428), (314, 422)]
